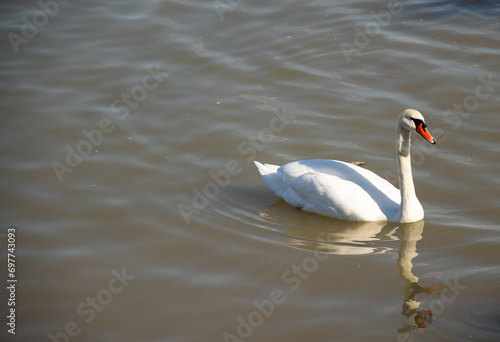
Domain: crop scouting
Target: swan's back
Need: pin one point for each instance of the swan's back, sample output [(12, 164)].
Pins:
[(333, 188)]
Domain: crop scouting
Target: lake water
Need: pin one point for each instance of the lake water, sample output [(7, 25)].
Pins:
[(128, 135)]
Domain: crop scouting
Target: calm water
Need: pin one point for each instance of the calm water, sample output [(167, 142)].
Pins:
[(128, 135)]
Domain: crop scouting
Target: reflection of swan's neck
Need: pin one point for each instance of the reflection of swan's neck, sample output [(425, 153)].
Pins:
[(410, 235), (411, 209)]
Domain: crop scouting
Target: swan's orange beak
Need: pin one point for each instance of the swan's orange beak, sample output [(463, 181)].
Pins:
[(422, 130)]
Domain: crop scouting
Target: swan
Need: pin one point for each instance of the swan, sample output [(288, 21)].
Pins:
[(346, 191)]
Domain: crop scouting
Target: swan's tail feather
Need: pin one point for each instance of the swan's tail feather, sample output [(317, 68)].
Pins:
[(266, 169), (271, 177)]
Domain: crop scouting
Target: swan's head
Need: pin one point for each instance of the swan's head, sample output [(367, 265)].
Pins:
[(413, 120)]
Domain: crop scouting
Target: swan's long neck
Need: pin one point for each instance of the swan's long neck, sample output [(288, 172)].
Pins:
[(411, 210)]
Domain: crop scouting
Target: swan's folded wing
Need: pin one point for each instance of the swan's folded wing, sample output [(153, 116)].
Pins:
[(339, 189)]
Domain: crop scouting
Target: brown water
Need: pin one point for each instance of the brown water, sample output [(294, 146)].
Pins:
[(128, 135)]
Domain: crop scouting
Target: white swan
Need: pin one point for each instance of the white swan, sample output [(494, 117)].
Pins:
[(347, 191)]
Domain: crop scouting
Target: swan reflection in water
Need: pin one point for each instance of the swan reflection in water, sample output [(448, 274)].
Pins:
[(411, 233), (357, 238)]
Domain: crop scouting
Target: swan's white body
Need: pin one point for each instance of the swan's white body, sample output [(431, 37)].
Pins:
[(333, 188), (343, 190)]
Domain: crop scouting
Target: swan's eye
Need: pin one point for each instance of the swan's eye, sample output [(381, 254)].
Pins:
[(421, 129), (419, 122)]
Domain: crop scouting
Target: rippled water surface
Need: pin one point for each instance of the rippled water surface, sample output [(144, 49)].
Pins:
[(128, 135)]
